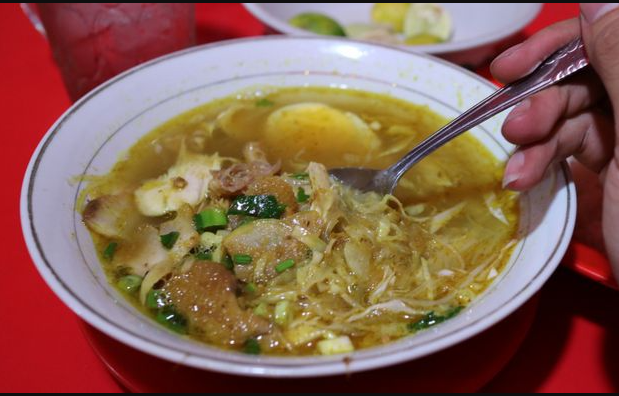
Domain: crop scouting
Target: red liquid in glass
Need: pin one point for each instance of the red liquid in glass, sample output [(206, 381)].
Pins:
[(94, 42)]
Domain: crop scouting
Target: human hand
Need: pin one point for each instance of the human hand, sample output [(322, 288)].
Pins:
[(575, 118)]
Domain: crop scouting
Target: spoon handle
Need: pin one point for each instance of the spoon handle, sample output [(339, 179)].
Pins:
[(559, 65)]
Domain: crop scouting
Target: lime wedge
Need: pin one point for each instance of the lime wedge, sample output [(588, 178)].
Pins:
[(375, 33), (317, 23), (391, 14), (427, 20), (423, 39)]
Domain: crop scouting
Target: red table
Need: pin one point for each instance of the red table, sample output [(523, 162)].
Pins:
[(573, 344)]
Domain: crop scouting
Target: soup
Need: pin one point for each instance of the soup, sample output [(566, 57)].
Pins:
[(223, 224)]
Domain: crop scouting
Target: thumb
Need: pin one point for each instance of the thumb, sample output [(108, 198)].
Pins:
[(600, 33)]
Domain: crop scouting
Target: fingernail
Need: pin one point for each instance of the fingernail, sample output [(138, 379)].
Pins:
[(509, 52), (594, 11), (513, 169), (519, 110)]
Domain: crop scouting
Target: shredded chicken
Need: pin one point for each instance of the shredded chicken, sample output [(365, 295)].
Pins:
[(325, 200)]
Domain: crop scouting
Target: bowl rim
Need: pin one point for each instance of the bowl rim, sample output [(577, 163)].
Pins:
[(448, 47), (315, 369)]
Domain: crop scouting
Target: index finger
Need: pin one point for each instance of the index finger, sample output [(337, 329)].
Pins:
[(522, 59)]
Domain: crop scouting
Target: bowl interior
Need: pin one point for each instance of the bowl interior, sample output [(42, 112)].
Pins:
[(474, 24), (97, 129)]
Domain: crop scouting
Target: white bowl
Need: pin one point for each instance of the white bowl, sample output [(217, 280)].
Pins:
[(89, 137), (480, 30)]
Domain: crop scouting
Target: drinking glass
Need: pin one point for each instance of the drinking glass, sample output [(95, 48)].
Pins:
[(92, 42)]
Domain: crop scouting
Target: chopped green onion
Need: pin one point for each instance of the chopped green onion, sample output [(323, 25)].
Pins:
[(227, 262), (110, 250), (252, 347), (432, 319), (264, 102), (156, 299), (172, 320), (204, 256), (261, 310), (302, 195), (262, 206), (284, 265), (201, 253), (300, 176), (130, 283), (169, 240), (251, 288), (211, 218), (453, 312), (242, 259), (209, 247)]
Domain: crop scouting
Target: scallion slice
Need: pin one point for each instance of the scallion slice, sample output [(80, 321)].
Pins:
[(110, 250), (264, 102), (210, 219), (250, 288), (252, 347), (284, 265), (169, 240), (130, 283), (302, 196), (242, 259), (300, 176)]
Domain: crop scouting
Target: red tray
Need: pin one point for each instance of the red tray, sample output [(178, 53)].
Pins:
[(589, 262), (466, 367)]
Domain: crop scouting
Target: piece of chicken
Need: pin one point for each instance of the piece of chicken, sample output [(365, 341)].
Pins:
[(143, 253), (270, 242), (206, 296), (112, 216), (146, 250), (185, 183), (188, 236)]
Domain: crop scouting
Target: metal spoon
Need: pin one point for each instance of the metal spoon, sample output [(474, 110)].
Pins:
[(555, 68)]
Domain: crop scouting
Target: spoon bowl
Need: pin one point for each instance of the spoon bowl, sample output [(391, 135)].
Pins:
[(558, 66), (364, 179)]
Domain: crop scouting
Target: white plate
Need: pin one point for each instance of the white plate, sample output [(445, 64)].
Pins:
[(89, 137), (478, 28)]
